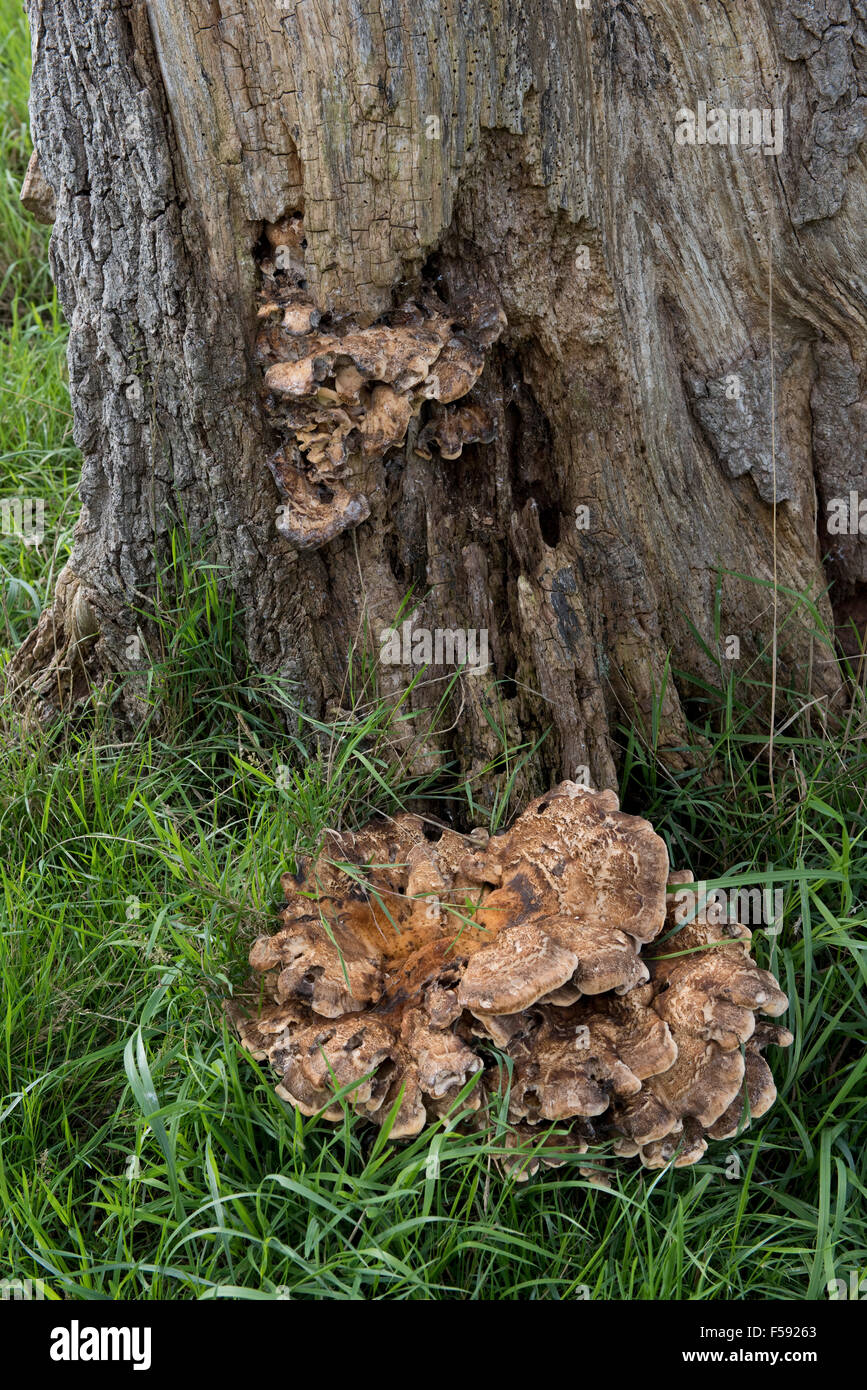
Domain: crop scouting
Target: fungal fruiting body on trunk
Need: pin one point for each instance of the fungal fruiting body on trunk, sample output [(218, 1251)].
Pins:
[(410, 956), (340, 393)]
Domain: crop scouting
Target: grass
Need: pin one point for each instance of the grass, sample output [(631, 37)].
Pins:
[(144, 1155), (38, 459)]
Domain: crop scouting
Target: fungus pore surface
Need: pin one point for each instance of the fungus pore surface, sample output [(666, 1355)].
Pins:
[(409, 958)]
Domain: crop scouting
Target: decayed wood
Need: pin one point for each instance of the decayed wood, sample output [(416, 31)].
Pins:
[(526, 151)]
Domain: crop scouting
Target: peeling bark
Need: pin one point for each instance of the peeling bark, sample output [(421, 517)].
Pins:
[(524, 152)]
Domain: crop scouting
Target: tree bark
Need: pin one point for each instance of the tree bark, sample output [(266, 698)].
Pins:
[(685, 333)]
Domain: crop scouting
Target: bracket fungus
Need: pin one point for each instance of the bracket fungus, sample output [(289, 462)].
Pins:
[(408, 955), (341, 394)]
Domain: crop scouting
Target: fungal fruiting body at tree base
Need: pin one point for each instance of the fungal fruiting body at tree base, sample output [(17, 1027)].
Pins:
[(410, 958)]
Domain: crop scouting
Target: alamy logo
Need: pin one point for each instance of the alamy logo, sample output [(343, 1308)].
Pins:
[(720, 125), (459, 646), (21, 1290), (23, 518), (752, 907), (847, 516), (856, 1288), (76, 1343)]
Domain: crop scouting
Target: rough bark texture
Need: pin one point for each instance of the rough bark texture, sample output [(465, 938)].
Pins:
[(455, 146)]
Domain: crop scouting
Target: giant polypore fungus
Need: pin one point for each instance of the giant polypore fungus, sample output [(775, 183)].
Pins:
[(408, 955), (341, 396)]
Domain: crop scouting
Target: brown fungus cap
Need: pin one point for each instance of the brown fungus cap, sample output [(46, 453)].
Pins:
[(341, 400), (407, 953), (581, 886), (313, 511), (709, 990), (450, 430), (576, 1060)]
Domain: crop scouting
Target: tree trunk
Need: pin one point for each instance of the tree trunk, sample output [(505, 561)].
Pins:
[(684, 332)]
